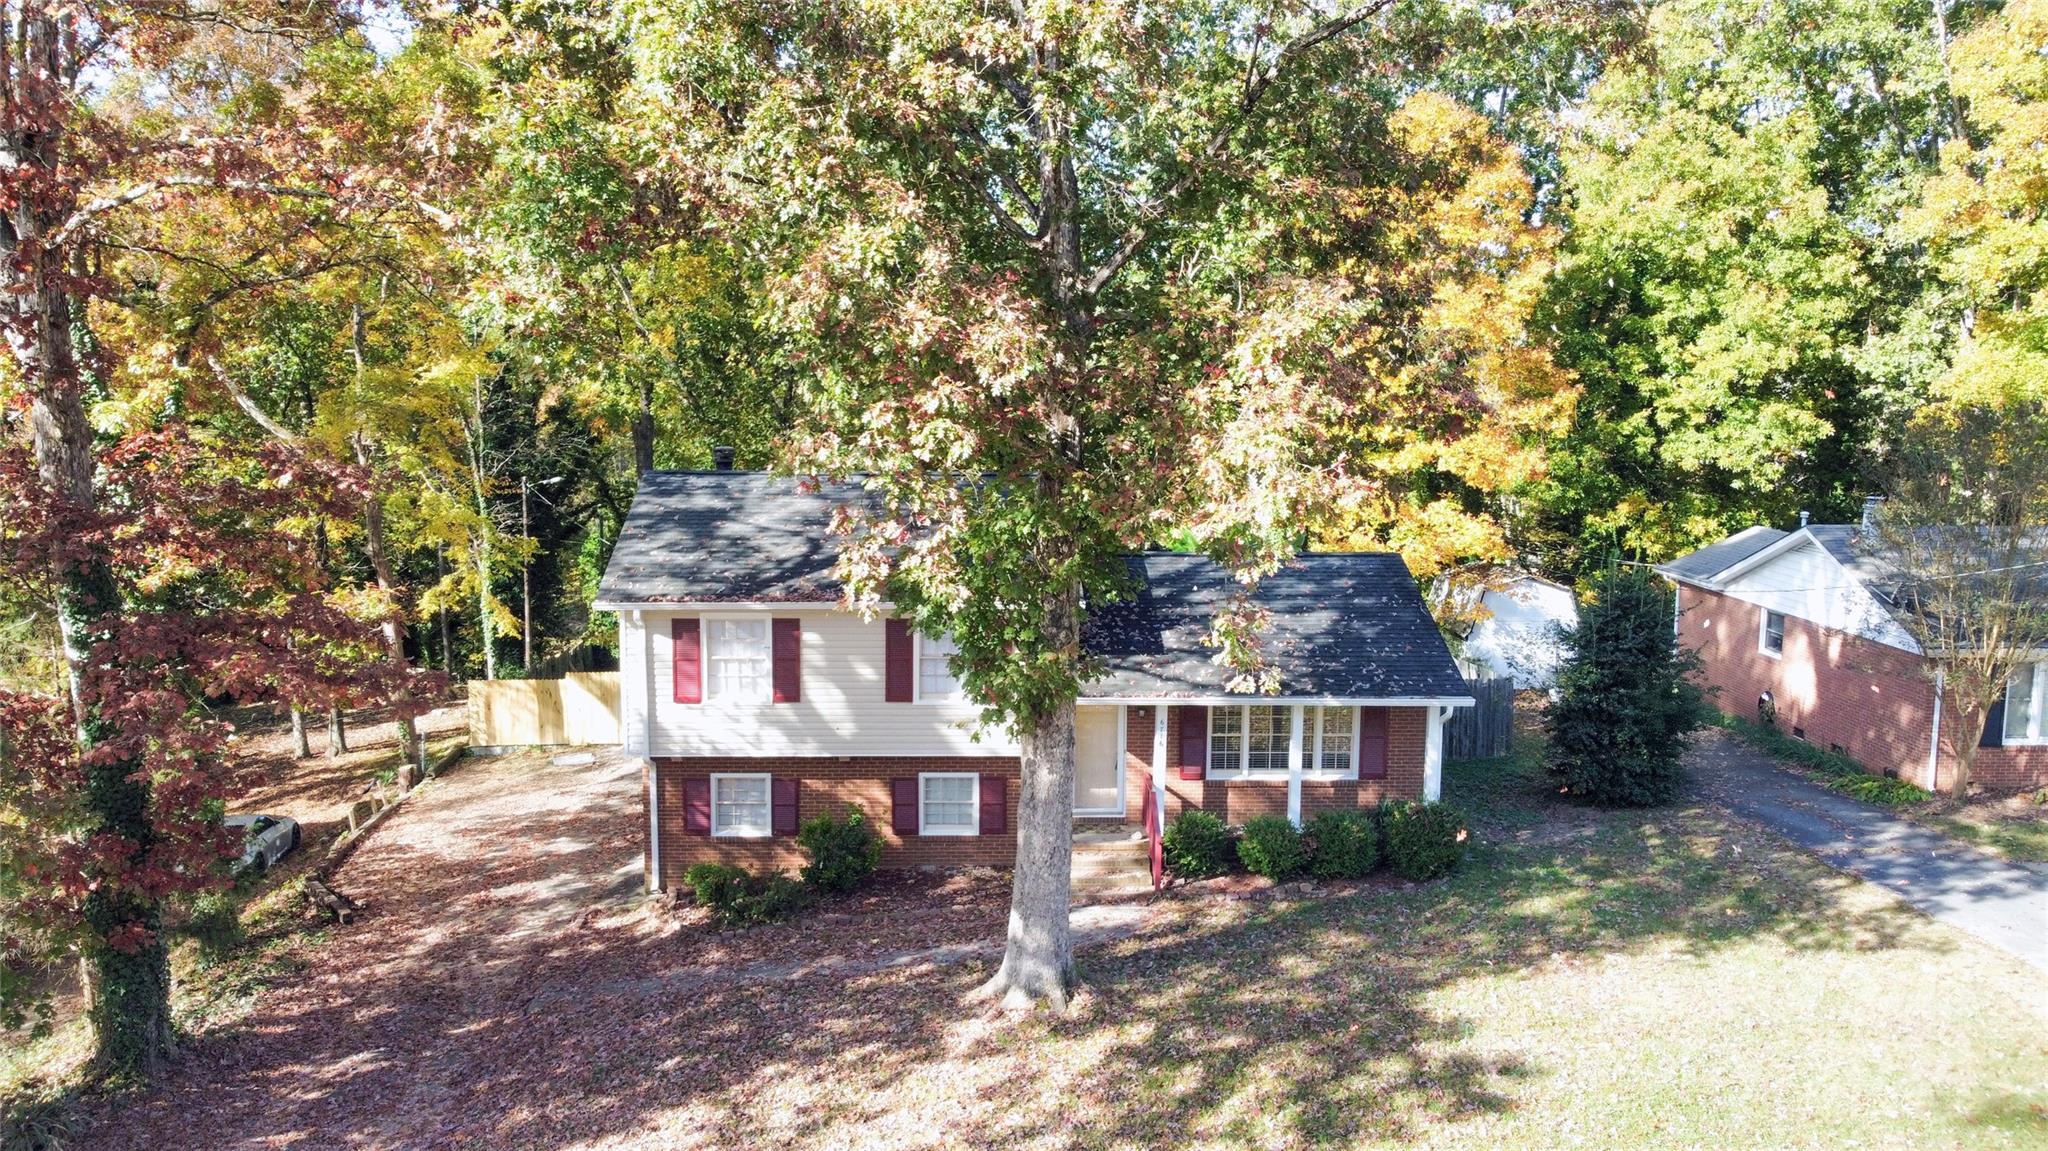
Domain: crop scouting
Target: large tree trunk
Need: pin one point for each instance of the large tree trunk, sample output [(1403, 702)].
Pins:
[(302, 747), (337, 733), (1038, 957), (128, 1000)]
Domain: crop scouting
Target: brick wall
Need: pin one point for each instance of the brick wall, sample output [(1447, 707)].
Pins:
[(1868, 699), (828, 784)]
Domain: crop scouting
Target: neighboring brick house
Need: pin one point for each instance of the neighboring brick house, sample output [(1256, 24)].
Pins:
[(758, 701), (1798, 622)]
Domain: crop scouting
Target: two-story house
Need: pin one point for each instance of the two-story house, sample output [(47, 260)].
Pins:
[(757, 700)]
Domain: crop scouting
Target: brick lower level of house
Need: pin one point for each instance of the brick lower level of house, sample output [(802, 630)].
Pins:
[(1869, 701), (831, 783)]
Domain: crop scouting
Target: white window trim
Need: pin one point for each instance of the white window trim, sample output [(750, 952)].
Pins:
[(917, 678), (763, 776), (1311, 746), (707, 653), (973, 805), (1763, 634), (2040, 736)]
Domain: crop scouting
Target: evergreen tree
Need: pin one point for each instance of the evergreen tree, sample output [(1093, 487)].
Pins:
[(1618, 731)]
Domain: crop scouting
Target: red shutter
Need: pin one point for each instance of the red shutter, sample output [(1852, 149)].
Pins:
[(896, 672), (787, 649), (994, 804), (1372, 743), (903, 795), (697, 807), (1194, 741), (687, 647), (783, 792)]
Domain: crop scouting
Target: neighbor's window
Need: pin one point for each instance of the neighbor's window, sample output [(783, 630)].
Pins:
[(948, 803), (935, 679), (1774, 632), (1335, 740), (740, 806), (737, 659), (2025, 698)]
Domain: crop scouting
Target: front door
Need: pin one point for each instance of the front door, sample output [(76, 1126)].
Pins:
[(1098, 780)]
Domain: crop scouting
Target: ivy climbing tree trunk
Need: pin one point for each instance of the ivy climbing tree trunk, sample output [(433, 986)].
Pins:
[(129, 992)]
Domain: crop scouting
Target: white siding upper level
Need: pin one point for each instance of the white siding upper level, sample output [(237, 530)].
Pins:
[(1805, 582), (841, 709)]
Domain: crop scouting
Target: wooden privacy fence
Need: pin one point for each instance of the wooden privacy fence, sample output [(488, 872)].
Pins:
[(579, 708), (1486, 730)]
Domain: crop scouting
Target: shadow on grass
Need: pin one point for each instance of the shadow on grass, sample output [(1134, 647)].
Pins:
[(1241, 1021)]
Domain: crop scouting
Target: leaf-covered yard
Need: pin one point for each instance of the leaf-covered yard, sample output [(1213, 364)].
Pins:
[(1590, 979)]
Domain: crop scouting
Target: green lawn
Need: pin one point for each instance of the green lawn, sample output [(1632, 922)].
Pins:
[(1660, 979)]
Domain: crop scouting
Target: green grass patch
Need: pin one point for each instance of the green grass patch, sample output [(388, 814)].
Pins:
[(2023, 838), (1831, 769)]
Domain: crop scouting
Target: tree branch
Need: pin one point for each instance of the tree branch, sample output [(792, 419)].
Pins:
[(249, 405), (1257, 83), (94, 209)]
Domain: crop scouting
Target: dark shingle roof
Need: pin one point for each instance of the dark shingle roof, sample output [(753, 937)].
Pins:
[(696, 537), (1713, 559), (1346, 625)]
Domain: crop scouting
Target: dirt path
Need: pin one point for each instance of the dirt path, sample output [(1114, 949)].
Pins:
[(2002, 903), (465, 891)]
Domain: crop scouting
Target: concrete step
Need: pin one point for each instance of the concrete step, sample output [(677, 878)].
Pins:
[(1112, 865), (1119, 884)]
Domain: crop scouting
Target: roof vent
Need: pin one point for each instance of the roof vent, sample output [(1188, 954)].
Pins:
[(721, 457), (1803, 516)]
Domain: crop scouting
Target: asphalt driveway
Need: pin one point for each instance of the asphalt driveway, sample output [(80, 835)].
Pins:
[(2004, 904)]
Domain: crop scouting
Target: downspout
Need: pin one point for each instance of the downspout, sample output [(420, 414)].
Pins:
[(1934, 741), (1433, 753), (646, 654)]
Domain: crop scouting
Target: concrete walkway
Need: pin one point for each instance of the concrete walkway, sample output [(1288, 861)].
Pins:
[(2003, 904)]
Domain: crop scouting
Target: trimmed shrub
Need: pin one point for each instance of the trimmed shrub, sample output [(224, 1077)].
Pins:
[(1618, 729), (842, 850), (1342, 844), (737, 898), (1272, 847), (1197, 844), (1423, 840)]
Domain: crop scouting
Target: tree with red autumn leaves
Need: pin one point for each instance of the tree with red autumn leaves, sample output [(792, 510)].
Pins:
[(164, 555)]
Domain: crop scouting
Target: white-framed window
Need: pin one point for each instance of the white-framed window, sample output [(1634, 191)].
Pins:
[(936, 682), (742, 806), (1770, 638), (1336, 741), (1251, 741), (2026, 701), (737, 664), (949, 803)]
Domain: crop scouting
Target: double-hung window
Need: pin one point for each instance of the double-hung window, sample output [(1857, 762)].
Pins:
[(935, 679), (2026, 701), (1771, 641), (948, 803), (737, 660), (1336, 740), (741, 807), (1251, 741)]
